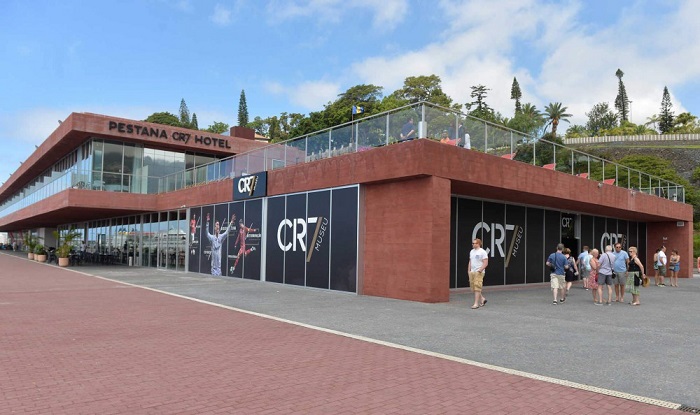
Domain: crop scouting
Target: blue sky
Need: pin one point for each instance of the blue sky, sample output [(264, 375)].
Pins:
[(130, 58)]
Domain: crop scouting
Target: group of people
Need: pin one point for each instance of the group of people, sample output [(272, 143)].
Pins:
[(664, 265), (614, 270)]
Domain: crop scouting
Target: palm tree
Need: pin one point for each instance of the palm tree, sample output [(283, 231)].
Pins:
[(554, 113)]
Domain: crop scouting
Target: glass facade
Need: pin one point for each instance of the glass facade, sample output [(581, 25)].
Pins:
[(151, 240)]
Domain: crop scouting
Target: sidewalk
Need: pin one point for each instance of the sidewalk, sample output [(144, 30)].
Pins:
[(72, 343)]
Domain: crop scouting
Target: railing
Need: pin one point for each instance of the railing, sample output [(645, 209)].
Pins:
[(629, 138), (432, 122), (126, 183)]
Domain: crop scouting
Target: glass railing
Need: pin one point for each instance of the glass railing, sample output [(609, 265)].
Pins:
[(430, 122), (89, 180), (435, 123)]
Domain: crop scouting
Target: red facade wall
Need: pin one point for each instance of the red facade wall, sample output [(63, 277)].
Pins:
[(672, 236), (406, 242)]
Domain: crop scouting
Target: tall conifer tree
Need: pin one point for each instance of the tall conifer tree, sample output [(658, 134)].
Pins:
[(516, 94), (184, 114), (666, 114), (242, 110), (621, 101)]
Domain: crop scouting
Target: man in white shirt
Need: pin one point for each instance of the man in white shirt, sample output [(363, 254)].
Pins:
[(478, 261), (661, 263)]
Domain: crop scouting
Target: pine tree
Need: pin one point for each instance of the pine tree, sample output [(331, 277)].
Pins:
[(666, 114), (242, 110), (194, 125), (184, 114), (516, 94), (621, 101)]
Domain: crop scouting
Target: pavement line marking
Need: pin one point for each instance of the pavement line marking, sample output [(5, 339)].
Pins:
[(581, 386)]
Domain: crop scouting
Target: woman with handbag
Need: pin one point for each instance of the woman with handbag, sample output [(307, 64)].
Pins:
[(635, 276)]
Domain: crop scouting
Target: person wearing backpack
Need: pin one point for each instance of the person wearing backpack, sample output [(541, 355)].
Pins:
[(557, 262)]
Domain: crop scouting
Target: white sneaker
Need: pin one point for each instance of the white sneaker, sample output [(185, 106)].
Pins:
[(252, 248)]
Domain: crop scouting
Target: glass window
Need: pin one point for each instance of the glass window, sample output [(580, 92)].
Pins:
[(113, 154), (98, 152)]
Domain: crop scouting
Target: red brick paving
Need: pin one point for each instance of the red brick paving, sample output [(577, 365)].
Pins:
[(73, 344)]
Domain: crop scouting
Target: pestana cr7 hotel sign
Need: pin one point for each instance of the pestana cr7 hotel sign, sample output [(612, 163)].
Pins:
[(163, 134)]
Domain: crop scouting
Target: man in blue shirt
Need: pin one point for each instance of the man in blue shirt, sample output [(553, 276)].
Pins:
[(622, 260), (557, 262)]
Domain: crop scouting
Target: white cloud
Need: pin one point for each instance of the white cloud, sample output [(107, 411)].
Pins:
[(221, 15), (387, 14), (309, 95), (483, 39)]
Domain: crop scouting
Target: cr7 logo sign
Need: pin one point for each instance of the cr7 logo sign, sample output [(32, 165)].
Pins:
[(247, 184), (298, 230)]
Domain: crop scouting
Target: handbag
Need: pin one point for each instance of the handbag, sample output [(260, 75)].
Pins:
[(645, 281), (637, 280)]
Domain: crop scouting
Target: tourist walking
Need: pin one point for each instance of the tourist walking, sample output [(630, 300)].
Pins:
[(558, 264), (635, 275), (622, 260), (478, 261), (605, 274), (593, 275), (571, 273), (584, 266)]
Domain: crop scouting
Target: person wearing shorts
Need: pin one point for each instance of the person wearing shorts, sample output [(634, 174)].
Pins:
[(661, 265), (584, 266), (620, 266), (478, 261), (557, 262), (605, 275)]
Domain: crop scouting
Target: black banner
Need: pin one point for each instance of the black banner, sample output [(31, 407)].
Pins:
[(344, 221), (204, 243), (515, 245), (194, 239), (276, 239), (318, 238), (250, 186), (296, 226), (494, 231), (237, 212), (534, 235), (468, 228)]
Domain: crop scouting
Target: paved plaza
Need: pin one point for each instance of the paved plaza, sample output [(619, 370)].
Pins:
[(130, 340)]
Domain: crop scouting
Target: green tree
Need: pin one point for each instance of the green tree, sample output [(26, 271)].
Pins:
[(423, 88), (184, 114), (218, 128), (601, 117), (685, 123), (555, 113), (652, 121), (164, 118), (576, 131), (528, 120), (194, 124), (666, 114), (481, 108), (621, 101), (516, 94), (242, 110)]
